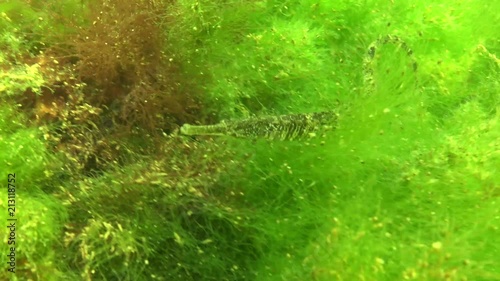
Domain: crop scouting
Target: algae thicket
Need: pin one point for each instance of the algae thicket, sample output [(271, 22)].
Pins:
[(367, 140)]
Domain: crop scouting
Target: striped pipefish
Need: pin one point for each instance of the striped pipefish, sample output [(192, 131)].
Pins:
[(281, 127)]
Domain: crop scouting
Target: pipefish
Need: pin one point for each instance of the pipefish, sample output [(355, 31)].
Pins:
[(281, 127)]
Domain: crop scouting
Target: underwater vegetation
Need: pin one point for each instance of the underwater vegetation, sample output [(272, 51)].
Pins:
[(366, 140)]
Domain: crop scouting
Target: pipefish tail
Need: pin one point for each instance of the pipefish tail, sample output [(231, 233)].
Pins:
[(281, 127)]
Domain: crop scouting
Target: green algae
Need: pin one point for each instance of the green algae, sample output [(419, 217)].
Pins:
[(405, 187)]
